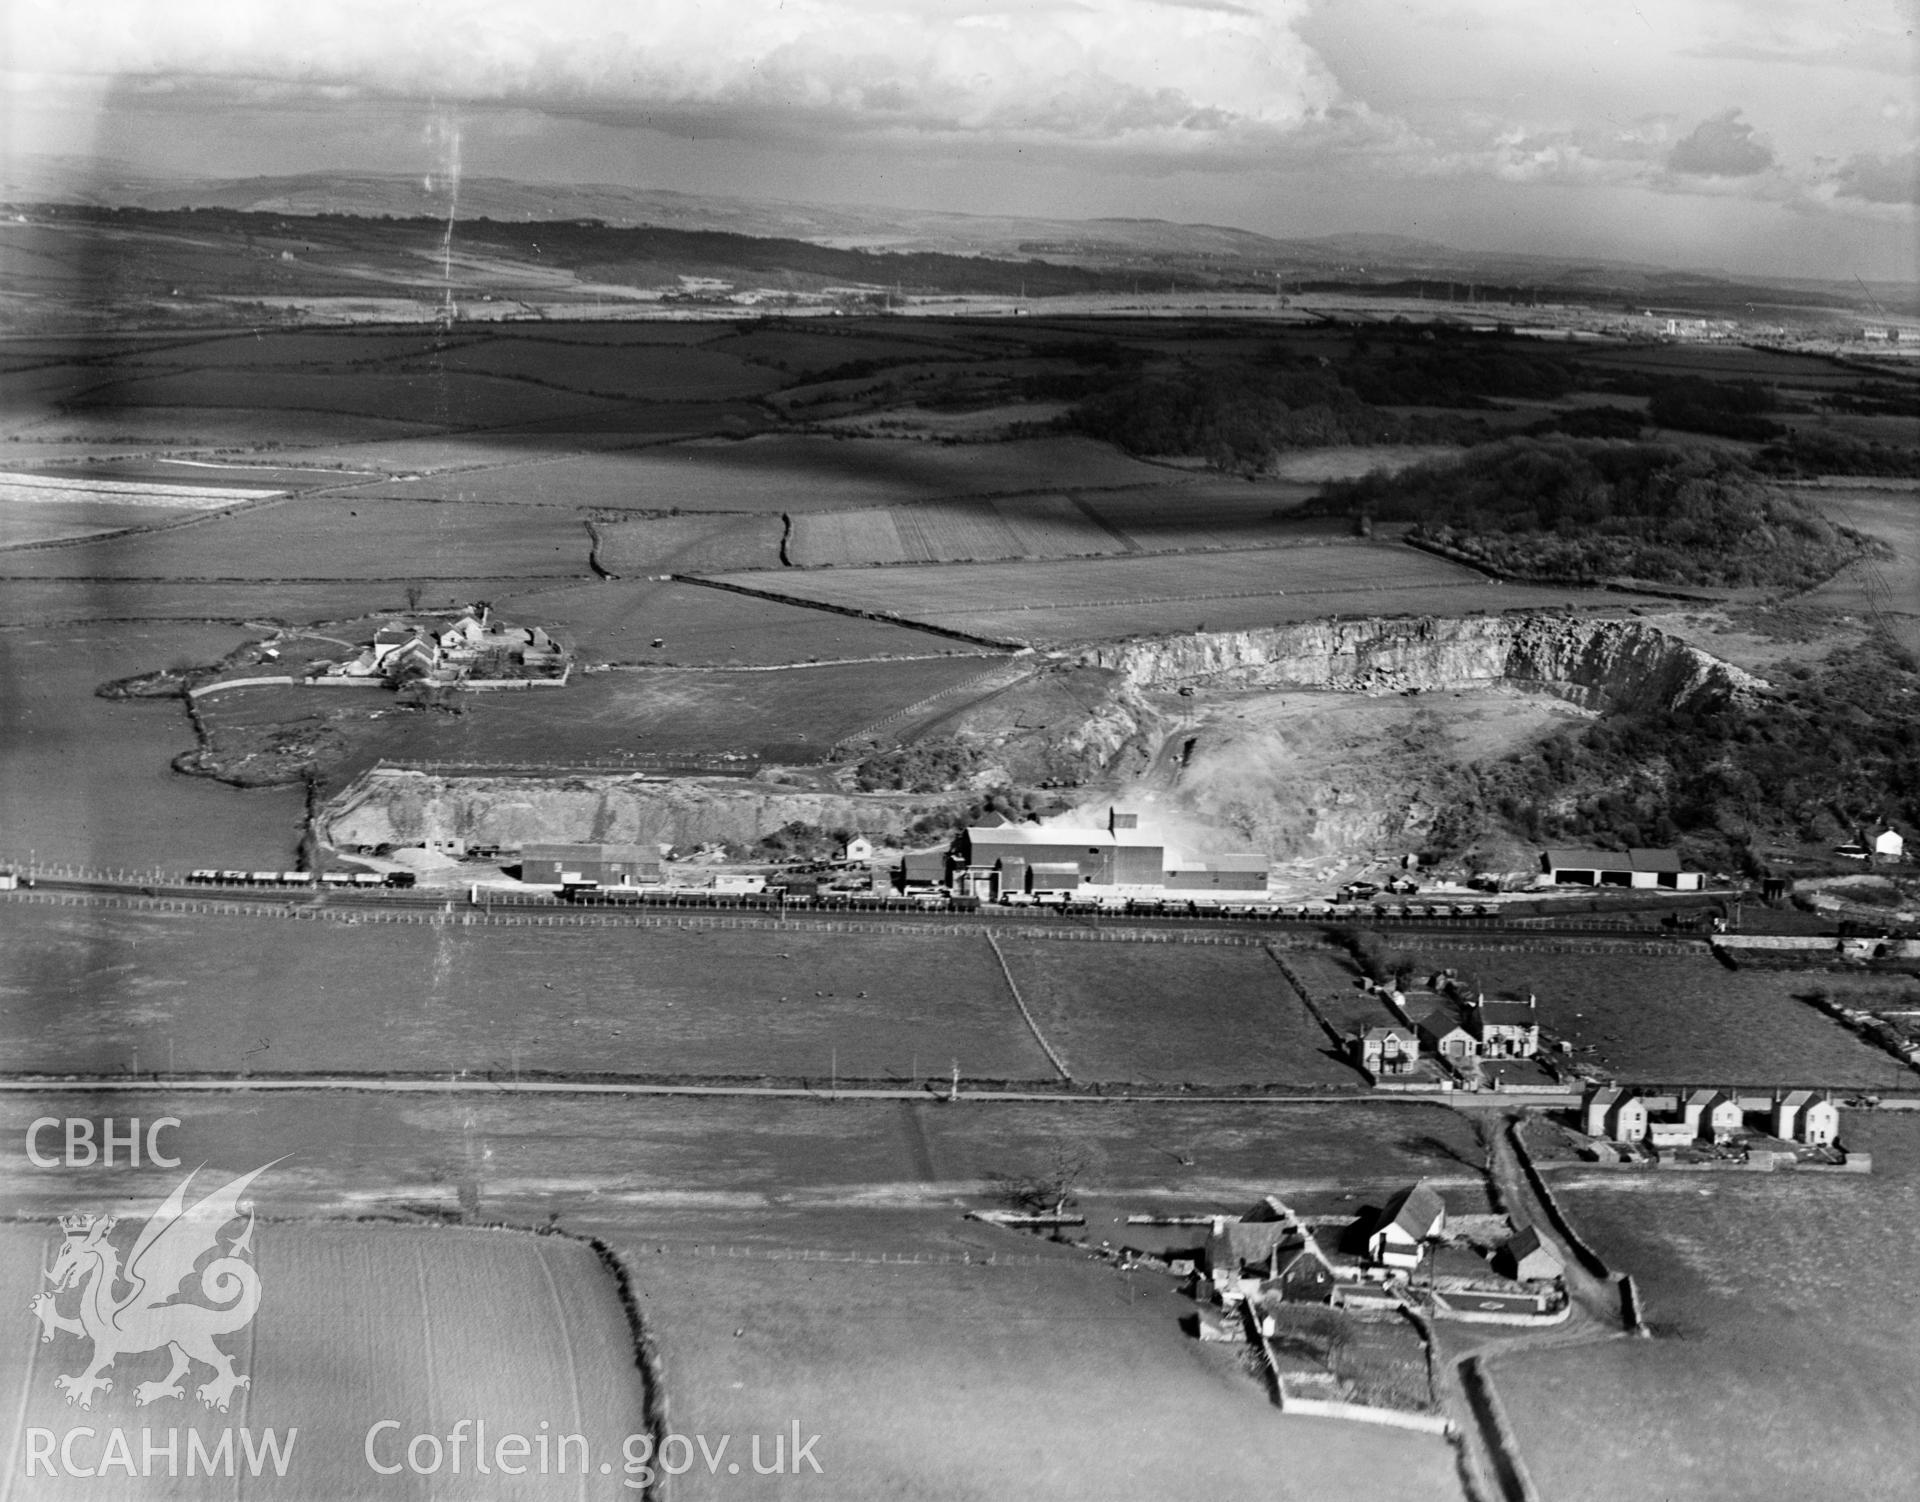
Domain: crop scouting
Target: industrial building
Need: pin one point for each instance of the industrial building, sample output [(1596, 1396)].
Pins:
[(1619, 868), (998, 860), (578, 865)]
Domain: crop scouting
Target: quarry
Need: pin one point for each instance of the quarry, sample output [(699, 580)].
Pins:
[(1316, 743)]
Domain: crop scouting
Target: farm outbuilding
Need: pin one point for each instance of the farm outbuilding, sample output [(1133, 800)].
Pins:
[(1619, 868), (606, 865), (1889, 845), (1406, 1223), (1525, 1258)]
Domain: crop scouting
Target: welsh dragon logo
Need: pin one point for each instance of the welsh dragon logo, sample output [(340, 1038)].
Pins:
[(145, 1316)]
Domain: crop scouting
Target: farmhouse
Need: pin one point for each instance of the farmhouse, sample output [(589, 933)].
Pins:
[(1619, 868), (997, 859), (1387, 1050), (600, 865), (1267, 1251), (1474, 1027), (1406, 1223)]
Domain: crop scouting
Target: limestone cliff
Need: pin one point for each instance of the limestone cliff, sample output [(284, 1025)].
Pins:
[(1597, 663)]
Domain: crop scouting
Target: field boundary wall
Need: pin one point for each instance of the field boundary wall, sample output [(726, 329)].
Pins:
[(1589, 1259), (884, 617), (1496, 1433), (1363, 1413), (1032, 1026)]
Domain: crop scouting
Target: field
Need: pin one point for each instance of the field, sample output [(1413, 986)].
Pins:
[(673, 1164), (801, 472), (1131, 595), (1688, 1020), (1058, 1379), (1783, 1351), (356, 1324), (668, 372), (89, 991), (696, 543), (1174, 1014), (55, 602), (332, 537), (696, 626), (1893, 516), (438, 398)]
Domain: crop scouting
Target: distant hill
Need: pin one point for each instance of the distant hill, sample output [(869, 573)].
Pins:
[(1141, 247)]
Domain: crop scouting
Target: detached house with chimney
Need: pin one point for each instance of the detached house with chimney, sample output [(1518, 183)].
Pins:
[(1406, 1223)]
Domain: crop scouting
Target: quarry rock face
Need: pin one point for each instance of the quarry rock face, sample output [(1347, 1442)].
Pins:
[(392, 807), (1595, 663)]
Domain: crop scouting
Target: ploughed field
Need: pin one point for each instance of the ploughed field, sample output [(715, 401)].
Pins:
[(1783, 1354), (356, 1324)]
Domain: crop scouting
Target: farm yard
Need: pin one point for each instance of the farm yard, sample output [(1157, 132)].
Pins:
[(1783, 1352), (358, 1324)]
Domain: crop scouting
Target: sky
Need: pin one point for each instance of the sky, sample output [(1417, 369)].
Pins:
[(1771, 137)]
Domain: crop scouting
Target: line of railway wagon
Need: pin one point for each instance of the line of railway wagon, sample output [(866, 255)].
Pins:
[(333, 880)]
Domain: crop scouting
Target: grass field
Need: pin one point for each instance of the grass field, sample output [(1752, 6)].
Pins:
[(1688, 1020), (678, 1163), (950, 531), (1783, 1354), (669, 372), (953, 1382), (440, 398), (793, 716), (1079, 599), (620, 621), (47, 602), (804, 472), (697, 543), (356, 1324), (333, 537), (1891, 584), (664, 1002), (1172, 1014)]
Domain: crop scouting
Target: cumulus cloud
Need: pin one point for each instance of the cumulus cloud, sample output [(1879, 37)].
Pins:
[(1092, 70), (1881, 179), (1724, 146)]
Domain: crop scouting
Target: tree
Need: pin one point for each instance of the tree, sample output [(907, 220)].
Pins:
[(1050, 1190)]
